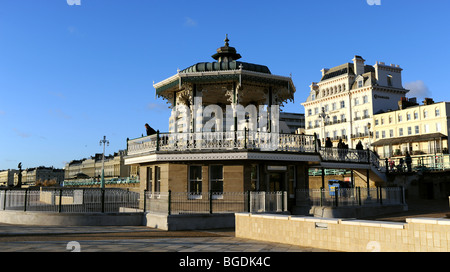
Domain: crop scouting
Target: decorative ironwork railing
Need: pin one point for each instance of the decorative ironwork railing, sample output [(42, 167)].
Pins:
[(250, 140)]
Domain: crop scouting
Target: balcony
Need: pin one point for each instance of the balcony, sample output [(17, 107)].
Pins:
[(221, 141)]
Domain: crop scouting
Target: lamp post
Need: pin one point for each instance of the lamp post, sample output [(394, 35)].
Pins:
[(368, 131), (104, 141)]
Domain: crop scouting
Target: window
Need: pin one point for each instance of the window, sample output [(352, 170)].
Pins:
[(157, 179), (343, 133), (195, 179), (416, 115), (326, 108), (426, 128), (376, 122), (438, 127), (309, 112), (342, 104), (383, 134), (408, 116), (342, 117), (335, 119), (425, 114), (316, 123), (377, 134), (382, 121), (316, 110), (216, 179), (416, 129), (400, 132), (391, 133), (309, 124), (360, 84), (389, 80), (356, 101), (313, 97), (333, 106), (365, 99), (390, 119), (409, 131), (366, 115), (437, 113), (400, 118), (149, 179)]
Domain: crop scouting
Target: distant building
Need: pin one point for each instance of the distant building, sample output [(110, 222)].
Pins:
[(39, 174), (413, 128), (92, 167), (7, 177), (342, 104), (292, 122)]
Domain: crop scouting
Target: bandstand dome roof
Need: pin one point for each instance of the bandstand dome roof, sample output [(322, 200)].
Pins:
[(226, 66)]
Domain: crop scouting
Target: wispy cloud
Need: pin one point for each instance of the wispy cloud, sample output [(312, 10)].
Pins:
[(57, 94), (21, 133), (190, 22), (155, 106), (2, 112), (59, 113), (417, 89)]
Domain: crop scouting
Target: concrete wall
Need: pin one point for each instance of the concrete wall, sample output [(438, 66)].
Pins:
[(416, 235), (189, 221)]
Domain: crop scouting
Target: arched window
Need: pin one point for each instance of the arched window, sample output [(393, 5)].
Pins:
[(437, 112)]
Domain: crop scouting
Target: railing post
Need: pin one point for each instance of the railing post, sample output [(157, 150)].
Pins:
[(387, 165), (282, 201), (60, 201), (249, 201), (169, 200), (103, 200), (358, 190), (321, 196), (4, 199), (157, 140), (25, 201), (245, 138), (381, 195), (336, 196), (210, 202), (145, 200)]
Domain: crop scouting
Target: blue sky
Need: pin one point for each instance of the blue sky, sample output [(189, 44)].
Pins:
[(70, 74)]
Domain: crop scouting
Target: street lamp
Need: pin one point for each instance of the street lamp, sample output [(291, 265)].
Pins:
[(104, 141)]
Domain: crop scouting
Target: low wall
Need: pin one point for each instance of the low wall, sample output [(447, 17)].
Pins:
[(416, 235), (189, 221), (355, 211), (71, 219)]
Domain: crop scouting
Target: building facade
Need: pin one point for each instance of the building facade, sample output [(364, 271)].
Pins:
[(342, 104), (7, 177), (92, 167), (413, 128)]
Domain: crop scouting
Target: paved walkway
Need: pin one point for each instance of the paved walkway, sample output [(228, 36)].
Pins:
[(19, 238)]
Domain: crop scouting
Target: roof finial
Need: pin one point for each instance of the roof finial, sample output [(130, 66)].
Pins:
[(226, 40)]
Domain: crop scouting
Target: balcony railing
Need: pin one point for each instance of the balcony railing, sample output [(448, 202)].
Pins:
[(249, 140)]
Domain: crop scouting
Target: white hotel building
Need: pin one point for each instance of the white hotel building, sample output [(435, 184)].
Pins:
[(342, 104)]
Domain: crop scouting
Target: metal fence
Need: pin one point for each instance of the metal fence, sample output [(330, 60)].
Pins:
[(226, 202), (341, 197), (69, 200)]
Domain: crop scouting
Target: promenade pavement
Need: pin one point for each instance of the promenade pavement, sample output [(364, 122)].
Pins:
[(20, 238)]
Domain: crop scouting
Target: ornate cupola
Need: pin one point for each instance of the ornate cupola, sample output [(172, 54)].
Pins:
[(226, 53)]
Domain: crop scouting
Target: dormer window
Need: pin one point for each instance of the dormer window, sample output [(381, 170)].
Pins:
[(389, 80), (360, 83)]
